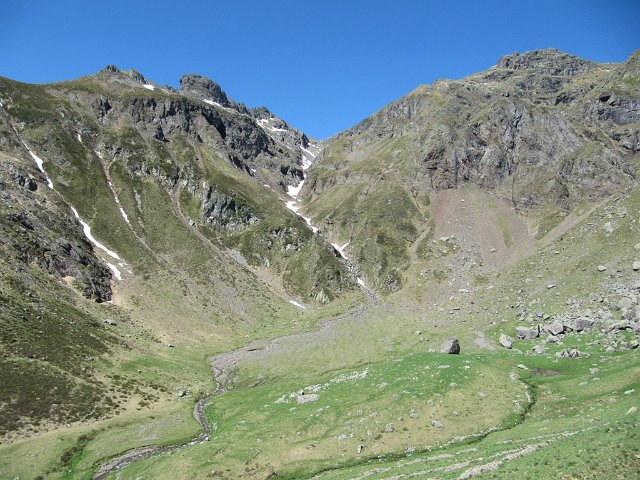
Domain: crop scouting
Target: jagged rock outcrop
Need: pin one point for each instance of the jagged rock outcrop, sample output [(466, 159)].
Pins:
[(223, 211), (206, 89)]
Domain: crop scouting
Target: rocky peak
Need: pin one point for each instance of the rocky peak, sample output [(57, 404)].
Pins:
[(261, 113), (550, 61), (135, 75), (204, 88), (130, 76), (111, 69)]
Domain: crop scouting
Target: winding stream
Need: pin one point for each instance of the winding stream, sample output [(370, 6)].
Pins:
[(140, 453)]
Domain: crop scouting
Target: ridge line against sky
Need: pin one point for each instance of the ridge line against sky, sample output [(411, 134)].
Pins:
[(321, 66)]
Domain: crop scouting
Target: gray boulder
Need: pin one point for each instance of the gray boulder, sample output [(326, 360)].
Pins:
[(582, 324), (555, 328), (437, 423), (506, 341), (451, 346), (527, 333), (539, 349), (569, 353)]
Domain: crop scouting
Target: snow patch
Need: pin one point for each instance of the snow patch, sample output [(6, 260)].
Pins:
[(87, 233), (293, 302), (340, 249), (293, 206), (360, 282), (294, 191), (314, 229), (79, 137), (40, 165), (115, 271), (266, 124), (149, 86), (124, 215), (115, 196)]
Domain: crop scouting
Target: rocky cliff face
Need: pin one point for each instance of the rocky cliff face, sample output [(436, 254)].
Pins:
[(545, 131)]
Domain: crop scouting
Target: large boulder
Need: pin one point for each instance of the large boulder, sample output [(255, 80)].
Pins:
[(581, 324), (506, 341), (555, 328), (528, 333), (451, 345)]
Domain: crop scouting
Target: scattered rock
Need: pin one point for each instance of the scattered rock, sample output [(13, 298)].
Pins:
[(539, 349), (527, 333), (437, 423), (522, 366), (632, 410), (506, 341), (108, 321), (609, 228), (389, 428), (181, 394), (311, 397), (581, 324), (555, 328), (636, 265), (360, 449), (569, 353), (625, 303), (601, 268), (451, 346), (551, 285), (552, 339), (594, 371)]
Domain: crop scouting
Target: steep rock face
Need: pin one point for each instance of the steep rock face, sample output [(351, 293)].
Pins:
[(224, 211), (545, 131)]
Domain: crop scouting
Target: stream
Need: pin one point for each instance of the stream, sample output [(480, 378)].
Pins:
[(140, 453)]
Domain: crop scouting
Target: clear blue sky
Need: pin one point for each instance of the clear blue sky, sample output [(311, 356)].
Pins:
[(322, 65)]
